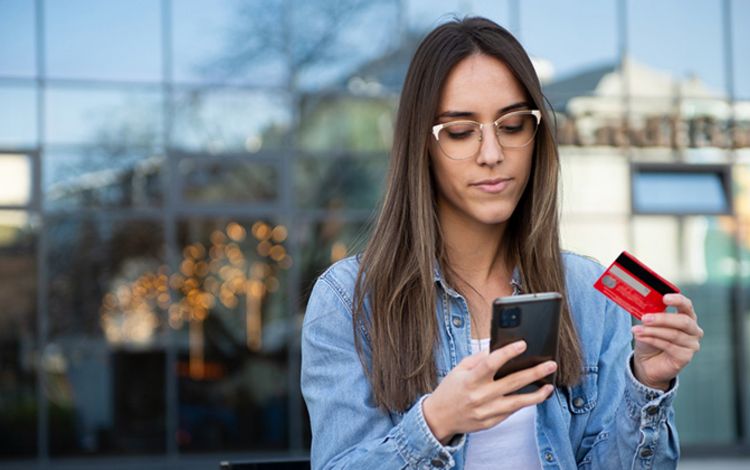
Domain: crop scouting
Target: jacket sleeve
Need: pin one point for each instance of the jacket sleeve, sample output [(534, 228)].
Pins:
[(348, 429), (639, 429)]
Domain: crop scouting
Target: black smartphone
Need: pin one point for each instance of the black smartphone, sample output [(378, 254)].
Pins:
[(534, 318)]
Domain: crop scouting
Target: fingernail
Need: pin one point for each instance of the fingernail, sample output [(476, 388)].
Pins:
[(669, 297), (648, 318), (519, 345), (548, 388), (637, 329), (550, 366)]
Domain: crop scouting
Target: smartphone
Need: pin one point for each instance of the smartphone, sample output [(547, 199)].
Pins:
[(534, 318)]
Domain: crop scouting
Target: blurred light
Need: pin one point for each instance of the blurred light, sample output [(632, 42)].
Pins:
[(272, 284), (218, 238), (15, 180), (279, 233), (338, 251), (286, 263), (264, 248), (261, 231), (253, 143), (278, 252), (236, 232)]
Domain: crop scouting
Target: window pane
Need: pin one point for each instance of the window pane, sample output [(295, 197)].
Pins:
[(325, 242), (741, 47), (228, 181), (602, 238), (551, 29), (339, 183), (696, 253), (105, 356), (347, 123), (17, 38), (653, 42), (594, 182), (233, 323), (115, 40), (18, 117), (95, 177), (18, 330), (426, 14), (105, 117), (679, 193), (218, 42), (15, 180), (219, 121)]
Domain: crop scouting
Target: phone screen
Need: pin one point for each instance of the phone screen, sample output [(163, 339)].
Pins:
[(534, 318)]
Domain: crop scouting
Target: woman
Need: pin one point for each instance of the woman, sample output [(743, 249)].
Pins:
[(396, 371)]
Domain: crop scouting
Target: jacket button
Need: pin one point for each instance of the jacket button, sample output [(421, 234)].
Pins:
[(652, 410), (458, 322), (645, 453), (437, 463), (578, 402), (549, 457)]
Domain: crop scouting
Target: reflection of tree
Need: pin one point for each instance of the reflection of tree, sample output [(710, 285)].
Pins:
[(297, 36), (210, 277)]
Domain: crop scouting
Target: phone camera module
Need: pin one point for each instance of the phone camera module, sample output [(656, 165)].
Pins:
[(510, 318)]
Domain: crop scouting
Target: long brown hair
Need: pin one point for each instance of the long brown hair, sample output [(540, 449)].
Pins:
[(396, 273)]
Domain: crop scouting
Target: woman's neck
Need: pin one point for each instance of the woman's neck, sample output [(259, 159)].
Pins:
[(475, 251)]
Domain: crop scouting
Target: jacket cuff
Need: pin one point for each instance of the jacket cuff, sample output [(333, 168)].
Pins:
[(419, 447), (648, 405)]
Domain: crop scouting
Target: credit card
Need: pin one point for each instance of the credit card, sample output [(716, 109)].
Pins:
[(634, 286)]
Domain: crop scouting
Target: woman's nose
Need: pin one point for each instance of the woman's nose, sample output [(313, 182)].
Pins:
[(490, 151)]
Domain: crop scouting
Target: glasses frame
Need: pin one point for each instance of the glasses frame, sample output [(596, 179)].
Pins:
[(534, 112)]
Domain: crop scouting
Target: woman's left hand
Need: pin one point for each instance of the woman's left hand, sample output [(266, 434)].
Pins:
[(665, 343)]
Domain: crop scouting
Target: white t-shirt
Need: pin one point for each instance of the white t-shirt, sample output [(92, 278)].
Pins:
[(510, 444)]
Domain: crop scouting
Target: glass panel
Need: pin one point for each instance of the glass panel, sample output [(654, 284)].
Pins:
[(17, 38), (696, 253), (602, 238), (18, 346), (334, 42), (233, 326), (215, 42), (18, 118), (701, 71), (741, 131), (228, 181), (339, 183), (347, 123), (325, 242), (426, 14), (741, 47), (550, 38), (105, 117), (605, 177), (98, 177), (679, 193), (230, 120), (15, 180), (108, 294), (89, 39)]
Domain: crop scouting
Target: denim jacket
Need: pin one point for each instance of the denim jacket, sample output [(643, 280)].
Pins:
[(607, 421)]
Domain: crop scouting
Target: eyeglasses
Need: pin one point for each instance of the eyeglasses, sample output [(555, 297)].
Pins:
[(460, 140)]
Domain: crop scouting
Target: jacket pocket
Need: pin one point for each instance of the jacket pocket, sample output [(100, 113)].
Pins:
[(582, 397)]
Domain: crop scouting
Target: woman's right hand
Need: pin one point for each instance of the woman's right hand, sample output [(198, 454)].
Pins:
[(469, 399)]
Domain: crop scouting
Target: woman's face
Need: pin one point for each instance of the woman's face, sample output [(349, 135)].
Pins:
[(486, 187)]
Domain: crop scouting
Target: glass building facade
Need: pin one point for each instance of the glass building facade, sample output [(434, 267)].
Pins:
[(174, 174)]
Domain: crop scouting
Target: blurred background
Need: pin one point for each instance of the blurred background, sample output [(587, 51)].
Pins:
[(174, 174)]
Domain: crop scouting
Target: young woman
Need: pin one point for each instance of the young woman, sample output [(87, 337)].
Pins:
[(396, 371)]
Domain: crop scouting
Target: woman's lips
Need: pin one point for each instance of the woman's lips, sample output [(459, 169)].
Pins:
[(492, 186)]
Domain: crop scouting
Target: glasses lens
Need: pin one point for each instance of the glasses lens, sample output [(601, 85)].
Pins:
[(460, 140), (516, 130)]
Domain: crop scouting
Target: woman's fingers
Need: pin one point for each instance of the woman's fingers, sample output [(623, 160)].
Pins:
[(681, 303), (496, 359), (680, 354), (672, 335), (512, 403), (683, 323), (520, 379)]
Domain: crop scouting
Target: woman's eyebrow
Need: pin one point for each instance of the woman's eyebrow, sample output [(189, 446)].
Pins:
[(465, 114)]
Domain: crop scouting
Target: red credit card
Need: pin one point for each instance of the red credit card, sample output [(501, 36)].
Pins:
[(634, 286)]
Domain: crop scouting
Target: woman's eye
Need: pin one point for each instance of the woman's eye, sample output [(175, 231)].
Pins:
[(460, 135), (510, 129)]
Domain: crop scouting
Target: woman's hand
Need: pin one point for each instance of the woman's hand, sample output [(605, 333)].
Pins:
[(665, 343), (469, 399)]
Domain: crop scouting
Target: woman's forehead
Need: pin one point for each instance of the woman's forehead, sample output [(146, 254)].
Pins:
[(479, 84)]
